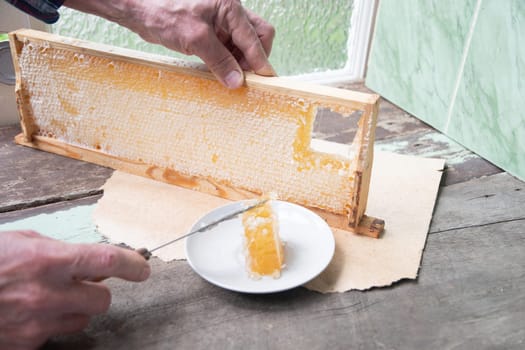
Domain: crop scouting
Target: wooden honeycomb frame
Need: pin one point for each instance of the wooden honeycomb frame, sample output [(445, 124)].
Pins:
[(252, 99)]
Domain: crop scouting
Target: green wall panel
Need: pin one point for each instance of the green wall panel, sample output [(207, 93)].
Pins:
[(488, 115), (311, 36), (459, 66), (416, 52)]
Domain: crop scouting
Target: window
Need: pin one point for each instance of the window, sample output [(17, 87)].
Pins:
[(320, 40)]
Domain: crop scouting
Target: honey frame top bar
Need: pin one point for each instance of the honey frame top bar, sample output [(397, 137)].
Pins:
[(38, 133), (355, 99)]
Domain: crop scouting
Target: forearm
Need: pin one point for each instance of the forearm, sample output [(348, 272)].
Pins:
[(136, 15), (120, 11), (47, 10)]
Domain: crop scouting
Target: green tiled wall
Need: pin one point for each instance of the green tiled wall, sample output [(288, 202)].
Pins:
[(459, 66), (310, 35)]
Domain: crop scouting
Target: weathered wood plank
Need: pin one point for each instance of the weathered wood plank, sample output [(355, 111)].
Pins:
[(400, 132), (479, 202), (405, 138), (10, 216), (461, 164), (392, 122), (30, 177), (470, 294)]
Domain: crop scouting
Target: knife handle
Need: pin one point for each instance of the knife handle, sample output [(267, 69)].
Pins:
[(146, 254)]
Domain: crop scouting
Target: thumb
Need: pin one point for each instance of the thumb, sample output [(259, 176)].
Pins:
[(89, 261), (221, 62)]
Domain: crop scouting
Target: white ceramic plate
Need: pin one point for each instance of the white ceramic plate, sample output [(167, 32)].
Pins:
[(217, 255)]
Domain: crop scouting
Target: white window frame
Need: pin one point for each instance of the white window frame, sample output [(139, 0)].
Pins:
[(11, 19), (359, 37)]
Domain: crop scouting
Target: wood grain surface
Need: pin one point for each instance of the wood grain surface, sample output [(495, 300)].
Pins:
[(31, 178), (470, 293)]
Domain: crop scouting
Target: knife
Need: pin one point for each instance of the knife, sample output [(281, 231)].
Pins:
[(146, 254)]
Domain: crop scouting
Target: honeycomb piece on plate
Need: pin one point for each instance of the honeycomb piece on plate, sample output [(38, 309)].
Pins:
[(263, 247)]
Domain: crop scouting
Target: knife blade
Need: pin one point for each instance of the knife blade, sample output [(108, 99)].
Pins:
[(147, 253)]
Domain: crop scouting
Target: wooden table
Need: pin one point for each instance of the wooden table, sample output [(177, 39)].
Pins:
[(470, 292)]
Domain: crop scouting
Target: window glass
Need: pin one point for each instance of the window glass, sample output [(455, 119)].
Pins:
[(311, 35)]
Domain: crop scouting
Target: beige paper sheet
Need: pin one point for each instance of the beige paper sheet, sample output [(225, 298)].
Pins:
[(146, 213)]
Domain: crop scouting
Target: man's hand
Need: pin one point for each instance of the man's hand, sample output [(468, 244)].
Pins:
[(45, 286), (225, 35)]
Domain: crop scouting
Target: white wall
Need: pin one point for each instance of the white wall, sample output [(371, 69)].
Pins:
[(11, 19)]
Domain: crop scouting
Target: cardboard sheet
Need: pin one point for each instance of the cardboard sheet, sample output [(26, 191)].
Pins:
[(146, 213)]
